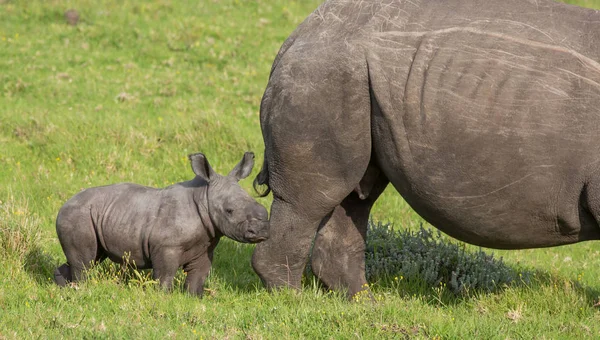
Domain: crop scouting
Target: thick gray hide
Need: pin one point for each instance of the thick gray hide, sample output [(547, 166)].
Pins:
[(163, 229), (484, 115)]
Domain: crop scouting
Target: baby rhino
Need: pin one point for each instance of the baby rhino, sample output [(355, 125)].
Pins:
[(162, 229)]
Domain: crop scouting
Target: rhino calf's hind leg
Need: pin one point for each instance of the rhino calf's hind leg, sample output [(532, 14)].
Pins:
[(338, 257), (62, 275), (78, 240)]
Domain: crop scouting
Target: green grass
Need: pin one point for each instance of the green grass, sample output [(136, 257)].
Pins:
[(125, 96)]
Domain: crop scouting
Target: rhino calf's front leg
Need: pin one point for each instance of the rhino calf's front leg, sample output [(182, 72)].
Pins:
[(165, 265), (197, 272)]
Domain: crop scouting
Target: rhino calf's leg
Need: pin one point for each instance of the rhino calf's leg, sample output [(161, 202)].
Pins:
[(338, 257), (197, 272), (194, 282), (62, 275), (78, 240), (164, 267)]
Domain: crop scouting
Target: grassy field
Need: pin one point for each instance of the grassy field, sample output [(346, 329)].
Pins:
[(125, 96)]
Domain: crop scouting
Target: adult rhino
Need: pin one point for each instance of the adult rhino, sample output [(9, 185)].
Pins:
[(484, 115)]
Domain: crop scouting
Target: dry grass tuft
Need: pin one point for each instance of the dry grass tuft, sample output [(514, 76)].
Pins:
[(19, 228)]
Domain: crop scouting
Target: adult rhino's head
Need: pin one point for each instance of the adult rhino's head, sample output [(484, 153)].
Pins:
[(231, 209)]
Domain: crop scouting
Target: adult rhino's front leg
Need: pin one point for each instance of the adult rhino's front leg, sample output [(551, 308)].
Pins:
[(316, 126)]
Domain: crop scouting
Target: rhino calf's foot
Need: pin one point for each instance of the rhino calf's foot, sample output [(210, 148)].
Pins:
[(62, 275)]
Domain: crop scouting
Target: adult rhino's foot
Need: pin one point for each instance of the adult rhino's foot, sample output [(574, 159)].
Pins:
[(280, 260), (338, 256), (275, 271), (342, 272), (340, 269)]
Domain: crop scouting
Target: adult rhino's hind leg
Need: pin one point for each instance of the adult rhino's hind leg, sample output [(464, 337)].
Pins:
[(280, 260), (589, 210), (338, 256), (315, 118)]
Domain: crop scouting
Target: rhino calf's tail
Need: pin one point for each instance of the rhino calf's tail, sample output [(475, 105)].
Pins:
[(262, 179)]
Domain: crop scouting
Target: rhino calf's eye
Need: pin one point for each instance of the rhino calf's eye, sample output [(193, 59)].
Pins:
[(229, 211)]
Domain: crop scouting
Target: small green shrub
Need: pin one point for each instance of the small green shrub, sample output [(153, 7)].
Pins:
[(426, 256)]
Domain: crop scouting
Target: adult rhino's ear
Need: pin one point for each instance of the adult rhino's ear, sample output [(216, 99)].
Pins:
[(201, 167), (244, 167)]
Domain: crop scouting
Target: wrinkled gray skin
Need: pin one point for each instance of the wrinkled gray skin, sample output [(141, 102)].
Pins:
[(484, 115), (162, 229)]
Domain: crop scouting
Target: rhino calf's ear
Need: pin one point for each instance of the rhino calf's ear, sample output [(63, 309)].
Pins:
[(201, 167), (244, 167)]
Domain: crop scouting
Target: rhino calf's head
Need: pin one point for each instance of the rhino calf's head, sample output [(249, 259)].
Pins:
[(231, 209)]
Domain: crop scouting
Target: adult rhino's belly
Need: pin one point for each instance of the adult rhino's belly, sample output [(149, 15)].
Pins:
[(493, 138)]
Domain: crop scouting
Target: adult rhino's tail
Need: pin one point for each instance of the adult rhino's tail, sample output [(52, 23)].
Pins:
[(262, 179)]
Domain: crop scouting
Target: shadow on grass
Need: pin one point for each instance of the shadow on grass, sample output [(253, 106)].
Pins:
[(440, 295), (232, 266), (40, 266)]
